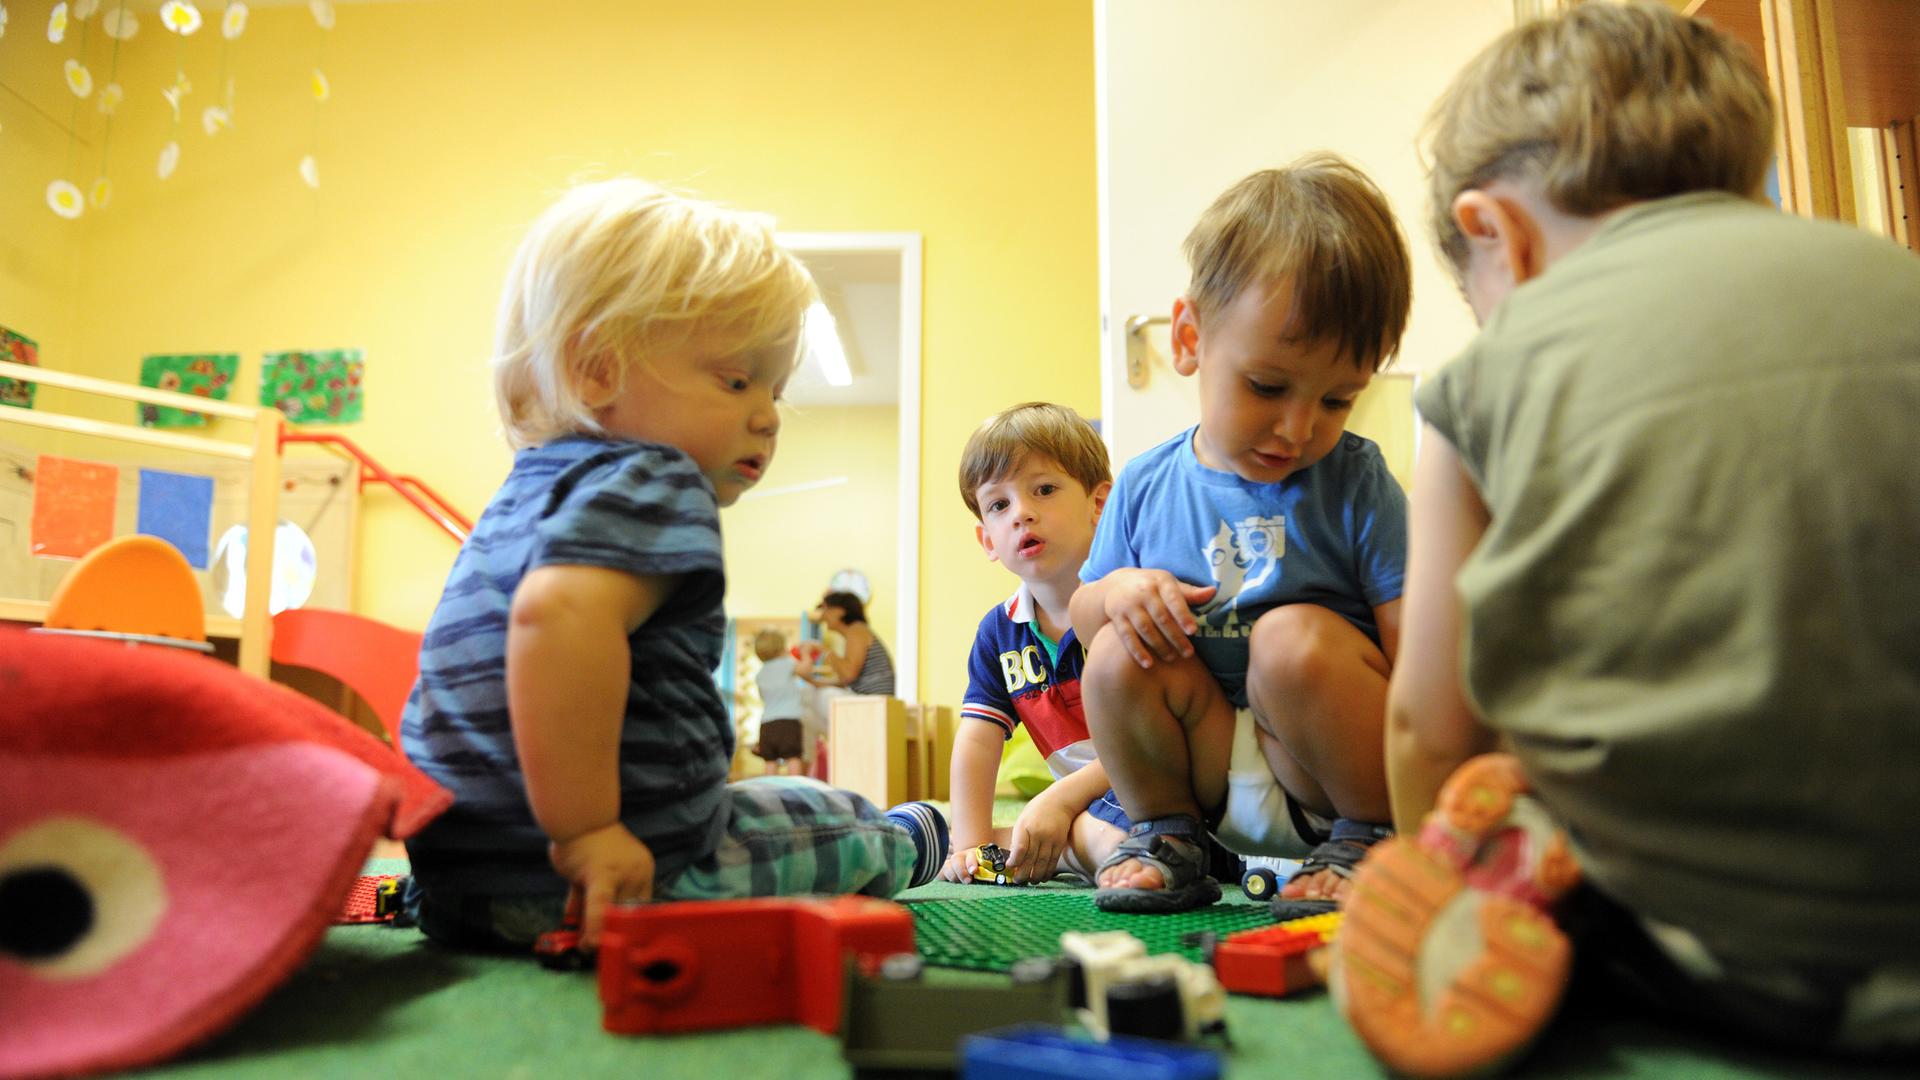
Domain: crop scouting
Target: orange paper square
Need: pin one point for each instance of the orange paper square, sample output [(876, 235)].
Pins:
[(72, 506)]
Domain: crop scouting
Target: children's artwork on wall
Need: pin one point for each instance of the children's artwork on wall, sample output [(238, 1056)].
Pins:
[(20, 349), (177, 508), (319, 387), (207, 375), (72, 506)]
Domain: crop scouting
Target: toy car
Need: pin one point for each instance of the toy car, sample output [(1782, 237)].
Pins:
[(992, 867), (1259, 883), (559, 950), (1264, 875)]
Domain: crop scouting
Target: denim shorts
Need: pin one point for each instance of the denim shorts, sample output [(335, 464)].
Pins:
[(1107, 808)]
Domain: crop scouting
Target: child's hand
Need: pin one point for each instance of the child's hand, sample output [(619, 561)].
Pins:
[(1151, 612), (960, 865), (607, 865), (1040, 837)]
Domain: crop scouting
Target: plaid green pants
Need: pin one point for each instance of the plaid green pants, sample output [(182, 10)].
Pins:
[(786, 836)]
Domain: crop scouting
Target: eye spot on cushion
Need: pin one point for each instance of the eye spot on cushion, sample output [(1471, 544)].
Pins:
[(87, 894), (44, 912)]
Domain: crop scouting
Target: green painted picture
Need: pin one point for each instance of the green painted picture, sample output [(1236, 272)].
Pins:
[(21, 350), (319, 387), (207, 375)]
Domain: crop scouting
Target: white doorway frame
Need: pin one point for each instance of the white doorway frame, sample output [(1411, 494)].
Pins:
[(906, 246)]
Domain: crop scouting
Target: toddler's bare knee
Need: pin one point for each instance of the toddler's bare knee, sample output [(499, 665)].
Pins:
[(1290, 647), (1109, 670)]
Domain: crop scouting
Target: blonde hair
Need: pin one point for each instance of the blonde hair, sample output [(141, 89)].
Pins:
[(1322, 225), (1003, 444), (618, 269), (769, 643), (1602, 105)]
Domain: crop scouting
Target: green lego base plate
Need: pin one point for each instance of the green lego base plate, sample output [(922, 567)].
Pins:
[(989, 934)]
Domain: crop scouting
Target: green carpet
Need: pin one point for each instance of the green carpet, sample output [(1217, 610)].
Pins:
[(375, 1001)]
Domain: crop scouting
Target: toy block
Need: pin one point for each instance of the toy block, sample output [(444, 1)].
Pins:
[(894, 1021), (710, 964), (1119, 989), (1042, 1052), (1275, 961), (867, 748)]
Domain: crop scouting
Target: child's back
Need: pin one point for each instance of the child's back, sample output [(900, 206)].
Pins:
[(1658, 540), (1696, 441)]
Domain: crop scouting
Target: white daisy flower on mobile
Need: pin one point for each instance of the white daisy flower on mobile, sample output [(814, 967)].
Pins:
[(215, 119), (102, 193), (310, 171), (180, 16), (110, 97), (169, 160), (322, 12), (57, 25), (234, 21), (64, 199), (84, 9), (79, 79), (120, 24), (322, 89)]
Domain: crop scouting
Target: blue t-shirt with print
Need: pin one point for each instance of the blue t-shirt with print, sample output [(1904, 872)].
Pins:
[(1333, 534)]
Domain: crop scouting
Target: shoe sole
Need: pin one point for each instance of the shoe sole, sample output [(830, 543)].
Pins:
[(1446, 965)]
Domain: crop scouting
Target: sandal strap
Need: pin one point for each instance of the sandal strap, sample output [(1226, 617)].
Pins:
[(1175, 845), (1342, 851)]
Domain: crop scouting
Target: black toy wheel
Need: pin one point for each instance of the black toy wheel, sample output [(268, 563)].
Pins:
[(1259, 883)]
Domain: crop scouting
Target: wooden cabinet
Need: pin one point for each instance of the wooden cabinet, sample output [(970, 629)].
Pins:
[(1836, 64)]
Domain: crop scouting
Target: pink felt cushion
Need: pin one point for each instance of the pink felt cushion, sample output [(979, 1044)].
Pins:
[(174, 839)]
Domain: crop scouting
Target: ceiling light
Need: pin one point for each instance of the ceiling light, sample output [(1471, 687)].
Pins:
[(823, 341)]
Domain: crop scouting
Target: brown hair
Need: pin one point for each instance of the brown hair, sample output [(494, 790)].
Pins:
[(1321, 224), (1004, 442), (1603, 105)]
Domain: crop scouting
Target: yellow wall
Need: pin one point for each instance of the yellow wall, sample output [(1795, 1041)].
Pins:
[(452, 124), (783, 547), (40, 254)]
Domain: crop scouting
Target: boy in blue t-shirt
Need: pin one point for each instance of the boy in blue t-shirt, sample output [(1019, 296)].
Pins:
[(566, 694), (1035, 477), (1241, 600)]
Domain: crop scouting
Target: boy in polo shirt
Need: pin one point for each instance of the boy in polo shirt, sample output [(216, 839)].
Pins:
[(1036, 477)]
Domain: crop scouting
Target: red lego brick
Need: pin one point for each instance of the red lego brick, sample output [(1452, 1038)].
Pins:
[(704, 965), (1272, 962)]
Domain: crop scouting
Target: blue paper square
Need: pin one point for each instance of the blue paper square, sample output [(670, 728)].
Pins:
[(178, 508)]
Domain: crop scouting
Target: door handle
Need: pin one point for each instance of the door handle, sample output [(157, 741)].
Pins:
[(1137, 347)]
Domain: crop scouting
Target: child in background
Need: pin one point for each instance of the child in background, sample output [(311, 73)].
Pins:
[(566, 694), (783, 735), (1035, 477), (1662, 550), (1241, 600)]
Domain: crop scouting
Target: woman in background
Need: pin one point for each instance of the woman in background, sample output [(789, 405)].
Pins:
[(864, 666)]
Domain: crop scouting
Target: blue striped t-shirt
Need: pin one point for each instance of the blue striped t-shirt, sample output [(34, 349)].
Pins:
[(637, 507)]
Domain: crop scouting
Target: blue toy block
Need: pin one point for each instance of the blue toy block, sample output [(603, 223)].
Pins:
[(1045, 1052)]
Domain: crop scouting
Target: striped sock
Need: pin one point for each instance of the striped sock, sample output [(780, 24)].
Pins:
[(928, 827)]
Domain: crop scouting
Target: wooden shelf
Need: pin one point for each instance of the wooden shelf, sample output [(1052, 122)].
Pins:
[(1879, 43), (35, 611)]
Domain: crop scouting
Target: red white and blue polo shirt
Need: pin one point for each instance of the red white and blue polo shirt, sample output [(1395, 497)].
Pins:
[(1012, 679)]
